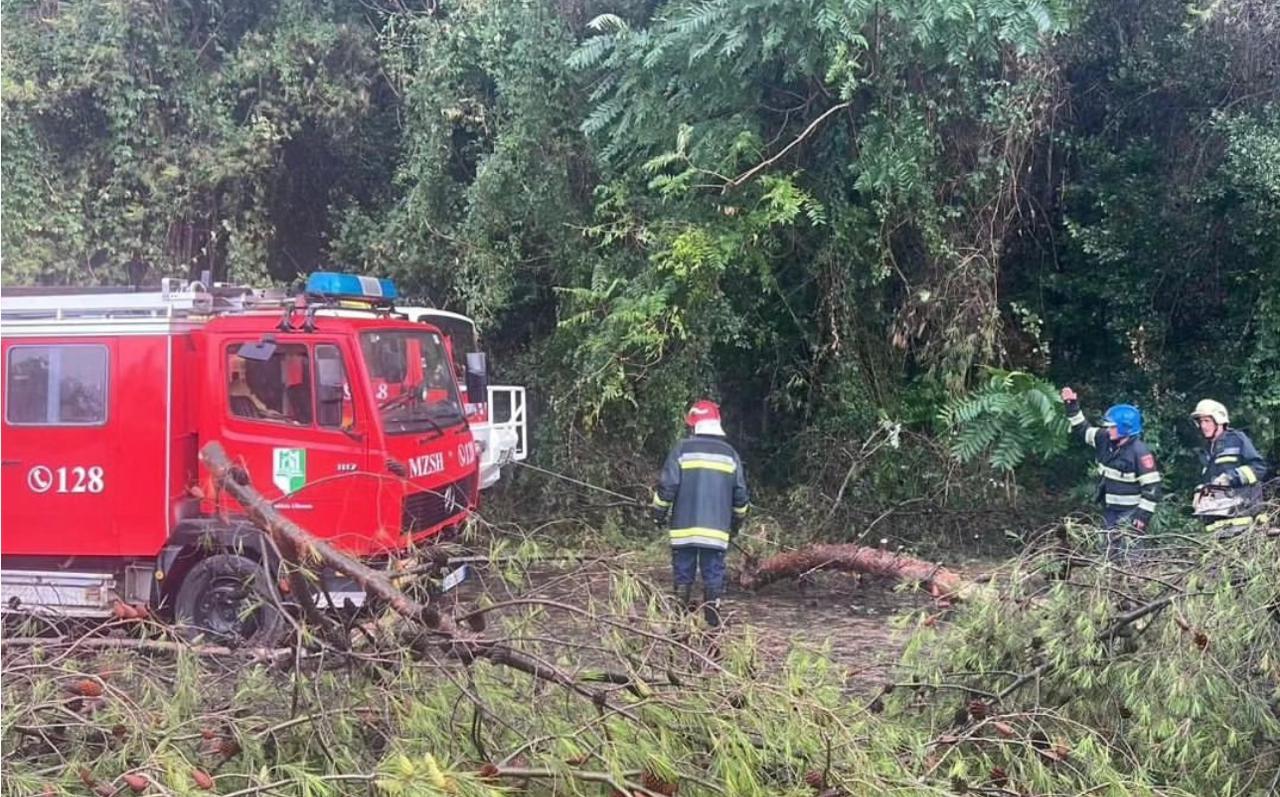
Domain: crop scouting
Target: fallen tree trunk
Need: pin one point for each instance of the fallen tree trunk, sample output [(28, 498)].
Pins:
[(850, 558), (292, 537), (453, 640)]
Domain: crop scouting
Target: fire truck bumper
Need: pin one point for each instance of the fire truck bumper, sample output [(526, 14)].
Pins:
[(59, 593)]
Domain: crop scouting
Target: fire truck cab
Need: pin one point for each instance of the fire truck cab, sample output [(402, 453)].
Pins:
[(353, 424), (499, 420)]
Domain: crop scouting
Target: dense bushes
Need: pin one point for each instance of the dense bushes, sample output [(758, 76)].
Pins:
[(829, 215)]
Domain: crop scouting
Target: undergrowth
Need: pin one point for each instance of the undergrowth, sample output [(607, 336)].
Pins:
[(1057, 675)]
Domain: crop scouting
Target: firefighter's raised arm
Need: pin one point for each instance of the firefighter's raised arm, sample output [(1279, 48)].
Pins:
[(1080, 427)]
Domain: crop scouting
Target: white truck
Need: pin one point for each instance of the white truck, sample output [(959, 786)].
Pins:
[(500, 424)]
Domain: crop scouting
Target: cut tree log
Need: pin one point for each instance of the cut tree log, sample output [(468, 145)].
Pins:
[(942, 584)]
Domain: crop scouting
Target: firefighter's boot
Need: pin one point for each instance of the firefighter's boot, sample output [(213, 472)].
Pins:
[(711, 607), (684, 597)]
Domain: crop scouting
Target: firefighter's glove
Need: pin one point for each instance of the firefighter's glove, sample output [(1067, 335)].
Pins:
[(1140, 526), (660, 519), (1223, 480)]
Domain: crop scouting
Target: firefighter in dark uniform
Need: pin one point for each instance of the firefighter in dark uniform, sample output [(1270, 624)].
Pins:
[(1130, 483), (1231, 464), (702, 495)]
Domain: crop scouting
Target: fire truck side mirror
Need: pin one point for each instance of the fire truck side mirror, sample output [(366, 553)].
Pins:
[(477, 378), (258, 351)]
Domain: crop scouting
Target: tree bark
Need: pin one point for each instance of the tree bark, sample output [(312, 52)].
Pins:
[(289, 536), (850, 558)]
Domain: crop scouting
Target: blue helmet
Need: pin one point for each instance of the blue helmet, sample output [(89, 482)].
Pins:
[(1126, 418)]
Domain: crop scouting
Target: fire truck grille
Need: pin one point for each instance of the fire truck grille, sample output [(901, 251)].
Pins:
[(430, 507)]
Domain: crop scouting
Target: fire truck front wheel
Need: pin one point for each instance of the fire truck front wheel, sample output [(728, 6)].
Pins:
[(227, 599)]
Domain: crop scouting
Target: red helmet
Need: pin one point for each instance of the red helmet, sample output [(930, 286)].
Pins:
[(704, 418)]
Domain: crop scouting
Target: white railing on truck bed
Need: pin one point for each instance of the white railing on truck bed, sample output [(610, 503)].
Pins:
[(508, 411), (504, 438)]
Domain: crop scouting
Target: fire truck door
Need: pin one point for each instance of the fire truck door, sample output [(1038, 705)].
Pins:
[(63, 478), (295, 422)]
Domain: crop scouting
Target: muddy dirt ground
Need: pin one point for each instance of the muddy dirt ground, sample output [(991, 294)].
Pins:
[(847, 618)]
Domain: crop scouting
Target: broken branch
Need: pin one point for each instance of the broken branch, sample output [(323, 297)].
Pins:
[(290, 536)]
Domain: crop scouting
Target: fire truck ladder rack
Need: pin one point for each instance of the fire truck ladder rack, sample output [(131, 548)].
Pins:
[(175, 299)]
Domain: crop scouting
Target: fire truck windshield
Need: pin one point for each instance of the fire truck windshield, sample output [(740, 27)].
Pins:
[(462, 339), (412, 381)]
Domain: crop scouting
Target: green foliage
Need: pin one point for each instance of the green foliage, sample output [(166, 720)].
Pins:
[(188, 136), (1147, 678), (1251, 173), (489, 175), (1141, 680), (821, 212), (1013, 416), (1160, 290)]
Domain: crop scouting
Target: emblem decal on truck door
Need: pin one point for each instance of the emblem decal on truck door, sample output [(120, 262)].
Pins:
[(289, 469)]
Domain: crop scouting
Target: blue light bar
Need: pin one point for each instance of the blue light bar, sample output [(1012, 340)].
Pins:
[(331, 284)]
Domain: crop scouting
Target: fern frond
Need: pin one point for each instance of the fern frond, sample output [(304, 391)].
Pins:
[(701, 18), (1011, 417), (608, 23), (591, 52)]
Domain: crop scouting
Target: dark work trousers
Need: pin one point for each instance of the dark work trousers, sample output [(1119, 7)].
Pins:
[(1119, 539), (686, 560)]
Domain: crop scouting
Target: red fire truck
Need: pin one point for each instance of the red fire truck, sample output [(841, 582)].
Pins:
[(352, 423)]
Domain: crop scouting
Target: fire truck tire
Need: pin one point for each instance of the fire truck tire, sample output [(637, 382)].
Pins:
[(227, 599)]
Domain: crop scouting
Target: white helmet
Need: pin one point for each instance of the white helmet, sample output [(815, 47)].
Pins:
[(1208, 408)]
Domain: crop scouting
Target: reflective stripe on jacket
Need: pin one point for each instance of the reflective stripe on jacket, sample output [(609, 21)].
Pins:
[(1234, 456)]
